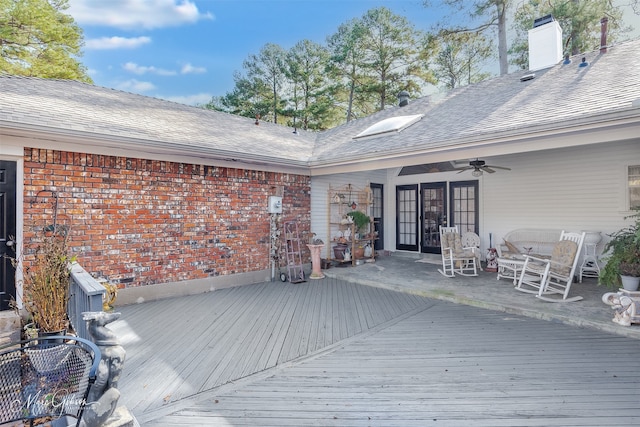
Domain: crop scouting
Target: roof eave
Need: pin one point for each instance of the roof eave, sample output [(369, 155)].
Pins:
[(80, 141), (620, 125)]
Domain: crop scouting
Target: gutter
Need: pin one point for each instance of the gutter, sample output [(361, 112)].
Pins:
[(78, 141)]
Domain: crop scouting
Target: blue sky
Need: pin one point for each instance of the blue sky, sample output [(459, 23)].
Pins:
[(188, 50)]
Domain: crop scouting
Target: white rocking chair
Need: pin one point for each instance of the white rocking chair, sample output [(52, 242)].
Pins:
[(471, 241), (456, 259), (545, 277)]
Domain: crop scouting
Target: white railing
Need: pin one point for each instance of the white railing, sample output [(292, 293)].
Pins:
[(85, 294)]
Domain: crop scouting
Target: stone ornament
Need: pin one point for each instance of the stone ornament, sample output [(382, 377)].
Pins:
[(626, 306), (102, 402)]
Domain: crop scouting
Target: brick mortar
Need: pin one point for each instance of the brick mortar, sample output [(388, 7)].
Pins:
[(139, 222)]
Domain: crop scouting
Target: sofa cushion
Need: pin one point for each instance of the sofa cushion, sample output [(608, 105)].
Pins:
[(563, 255)]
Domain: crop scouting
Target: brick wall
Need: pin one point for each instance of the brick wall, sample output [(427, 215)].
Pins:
[(137, 222)]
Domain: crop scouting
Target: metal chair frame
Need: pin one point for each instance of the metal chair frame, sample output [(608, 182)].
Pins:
[(46, 379)]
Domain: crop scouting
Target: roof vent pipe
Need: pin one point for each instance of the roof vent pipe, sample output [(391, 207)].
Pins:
[(403, 98), (603, 34)]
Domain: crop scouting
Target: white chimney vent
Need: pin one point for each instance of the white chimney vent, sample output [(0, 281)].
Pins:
[(545, 44)]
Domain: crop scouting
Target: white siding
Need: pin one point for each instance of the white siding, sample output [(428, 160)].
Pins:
[(319, 195), (582, 188)]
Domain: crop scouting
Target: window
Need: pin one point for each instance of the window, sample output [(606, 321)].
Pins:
[(634, 186)]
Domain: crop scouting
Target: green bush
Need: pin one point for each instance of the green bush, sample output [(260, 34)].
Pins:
[(622, 254)]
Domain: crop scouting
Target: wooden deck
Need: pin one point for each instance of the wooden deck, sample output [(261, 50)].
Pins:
[(340, 354), (181, 347)]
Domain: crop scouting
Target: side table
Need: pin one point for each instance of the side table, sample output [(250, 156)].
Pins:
[(589, 267), (510, 268)]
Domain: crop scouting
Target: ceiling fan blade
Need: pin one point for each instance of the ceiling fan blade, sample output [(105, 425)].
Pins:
[(463, 168), (498, 167), (488, 169)]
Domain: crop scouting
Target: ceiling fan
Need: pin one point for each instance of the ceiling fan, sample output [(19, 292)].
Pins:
[(479, 166)]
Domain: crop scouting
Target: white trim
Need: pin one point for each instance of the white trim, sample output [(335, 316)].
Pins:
[(196, 156), (19, 227), (620, 126), (627, 195)]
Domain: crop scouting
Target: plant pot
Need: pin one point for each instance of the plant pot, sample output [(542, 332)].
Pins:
[(45, 335), (358, 252), (630, 283), (338, 251)]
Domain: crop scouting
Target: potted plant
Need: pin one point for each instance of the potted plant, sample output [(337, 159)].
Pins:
[(46, 279), (360, 219), (623, 257)]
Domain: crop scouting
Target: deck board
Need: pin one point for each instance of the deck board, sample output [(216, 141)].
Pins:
[(184, 346), (330, 352), (475, 368)]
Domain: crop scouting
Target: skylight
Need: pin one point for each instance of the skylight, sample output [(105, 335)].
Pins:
[(392, 124)]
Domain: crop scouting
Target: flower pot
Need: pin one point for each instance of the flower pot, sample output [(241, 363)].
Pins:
[(630, 283), (45, 336), (338, 251)]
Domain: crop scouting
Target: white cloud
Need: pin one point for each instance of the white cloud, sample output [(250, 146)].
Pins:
[(141, 69), (197, 99), (190, 69), (134, 85), (106, 43), (136, 14)]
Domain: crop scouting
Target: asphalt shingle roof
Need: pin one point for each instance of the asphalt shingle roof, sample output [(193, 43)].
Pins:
[(557, 98), (57, 105)]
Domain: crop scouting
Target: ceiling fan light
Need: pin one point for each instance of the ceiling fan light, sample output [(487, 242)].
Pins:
[(477, 173)]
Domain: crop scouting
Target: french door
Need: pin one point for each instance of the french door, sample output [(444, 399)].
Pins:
[(434, 214), (407, 217), (421, 210), (464, 205)]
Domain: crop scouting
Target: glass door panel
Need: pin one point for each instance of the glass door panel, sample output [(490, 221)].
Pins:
[(377, 211), (434, 214), (407, 217), (464, 205)]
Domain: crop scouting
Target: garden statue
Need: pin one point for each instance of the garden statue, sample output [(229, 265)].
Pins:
[(492, 260), (627, 307), (103, 396)]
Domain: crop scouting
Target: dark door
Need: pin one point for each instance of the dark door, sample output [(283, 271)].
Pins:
[(464, 205), (434, 214), (7, 232), (377, 211), (407, 217)]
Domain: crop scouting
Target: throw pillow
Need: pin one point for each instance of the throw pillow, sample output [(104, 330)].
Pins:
[(512, 248)]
